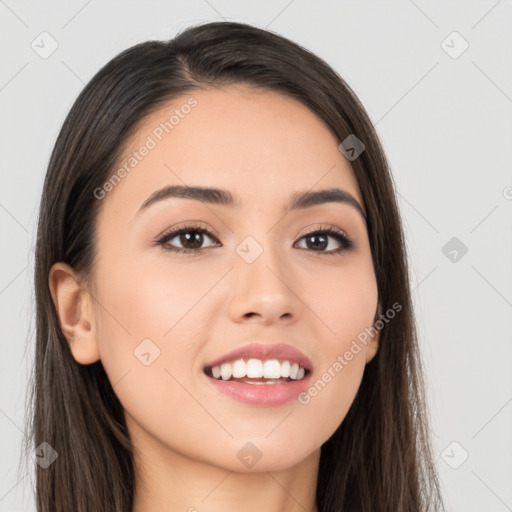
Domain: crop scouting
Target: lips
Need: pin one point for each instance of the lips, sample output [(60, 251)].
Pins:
[(264, 351)]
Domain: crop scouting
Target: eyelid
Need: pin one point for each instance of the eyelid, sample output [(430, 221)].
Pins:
[(305, 231), (192, 224)]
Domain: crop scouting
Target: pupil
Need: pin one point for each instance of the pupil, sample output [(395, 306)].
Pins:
[(196, 239), (323, 243)]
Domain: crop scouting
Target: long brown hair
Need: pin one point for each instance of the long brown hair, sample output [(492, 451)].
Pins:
[(379, 458)]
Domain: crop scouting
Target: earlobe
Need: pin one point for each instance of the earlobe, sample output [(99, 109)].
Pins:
[(371, 348), (73, 306)]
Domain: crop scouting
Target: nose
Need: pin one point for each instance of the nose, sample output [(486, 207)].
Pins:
[(264, 291)]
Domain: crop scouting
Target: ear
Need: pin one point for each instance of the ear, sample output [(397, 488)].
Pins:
[(73, 305), (373, 343)]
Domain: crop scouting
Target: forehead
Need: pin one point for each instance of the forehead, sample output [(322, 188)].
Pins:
[(259, 144)]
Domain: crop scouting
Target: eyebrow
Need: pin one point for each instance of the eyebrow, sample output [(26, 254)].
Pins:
[(215, 196)]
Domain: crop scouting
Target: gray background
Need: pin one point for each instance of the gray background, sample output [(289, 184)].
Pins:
[(446, 125)]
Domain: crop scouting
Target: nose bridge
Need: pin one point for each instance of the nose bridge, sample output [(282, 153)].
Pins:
[(260, 248), (260, 280), (259, 260)]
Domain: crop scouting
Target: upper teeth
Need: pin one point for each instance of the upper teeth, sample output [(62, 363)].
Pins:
[(256, 368)]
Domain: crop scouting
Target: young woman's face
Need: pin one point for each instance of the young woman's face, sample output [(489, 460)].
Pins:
[(253, 276)]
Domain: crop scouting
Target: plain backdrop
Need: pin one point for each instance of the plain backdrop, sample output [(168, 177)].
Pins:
[(436, 80)]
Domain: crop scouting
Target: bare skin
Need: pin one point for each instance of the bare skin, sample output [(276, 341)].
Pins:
[(262, 147)]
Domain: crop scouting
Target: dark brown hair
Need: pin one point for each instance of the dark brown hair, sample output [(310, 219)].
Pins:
[(379, 458)]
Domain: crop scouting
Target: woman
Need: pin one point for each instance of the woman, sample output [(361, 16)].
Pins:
[(223, 309)]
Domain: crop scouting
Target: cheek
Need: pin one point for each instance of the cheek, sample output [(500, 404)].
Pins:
[(344, 301), (146, 354), (151, 299), (330, 396), (149, 327)]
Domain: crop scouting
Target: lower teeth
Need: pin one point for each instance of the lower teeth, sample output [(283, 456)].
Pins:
[(270, 381)]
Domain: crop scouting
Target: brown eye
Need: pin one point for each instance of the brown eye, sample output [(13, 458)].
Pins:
[(191, 239), (318, 241)]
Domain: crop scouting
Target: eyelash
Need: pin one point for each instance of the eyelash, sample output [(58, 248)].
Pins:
[(346, 244)]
